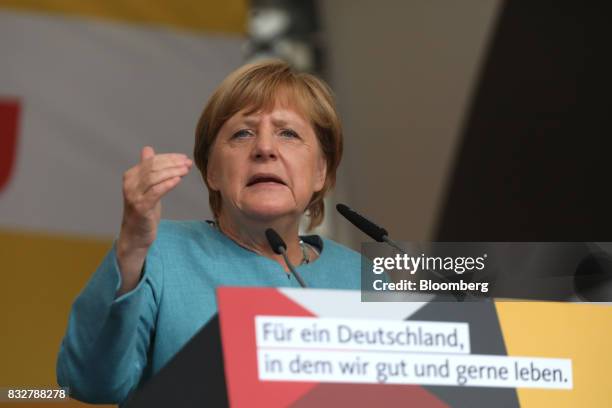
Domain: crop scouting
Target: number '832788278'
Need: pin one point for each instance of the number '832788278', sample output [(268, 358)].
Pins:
[(11, 394)]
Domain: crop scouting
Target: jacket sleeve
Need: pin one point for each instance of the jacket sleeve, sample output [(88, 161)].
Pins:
[(105, 348)]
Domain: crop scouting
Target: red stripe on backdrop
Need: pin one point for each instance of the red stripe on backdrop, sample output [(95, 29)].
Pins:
[(9, 118)]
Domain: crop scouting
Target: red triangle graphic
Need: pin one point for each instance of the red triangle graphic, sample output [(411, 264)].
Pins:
[(237, 310)]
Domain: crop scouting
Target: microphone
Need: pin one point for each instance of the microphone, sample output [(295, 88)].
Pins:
[(593, 277), (279, 247), (366, 226)]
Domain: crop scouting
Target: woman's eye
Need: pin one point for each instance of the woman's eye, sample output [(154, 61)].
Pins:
[(241, 134), (289, 134)]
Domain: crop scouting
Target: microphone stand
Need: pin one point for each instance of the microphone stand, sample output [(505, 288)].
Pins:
[(280, 248)]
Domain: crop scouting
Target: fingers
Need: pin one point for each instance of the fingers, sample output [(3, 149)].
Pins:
[(155, 177), (159, 162), (163, 161), (156, 174), (143, 203), (156, 192), (146, 152)]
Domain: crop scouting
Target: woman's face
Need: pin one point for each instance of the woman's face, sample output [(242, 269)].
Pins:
[(266, 165)]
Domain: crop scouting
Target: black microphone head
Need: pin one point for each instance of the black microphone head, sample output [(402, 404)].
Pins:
[(275, 241), (366, 226), (593, 278)]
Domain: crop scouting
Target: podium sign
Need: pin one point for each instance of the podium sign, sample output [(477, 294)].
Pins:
[(312, 348), (299, 348)]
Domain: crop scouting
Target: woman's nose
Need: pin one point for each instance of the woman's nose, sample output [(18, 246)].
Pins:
[(265, 146)]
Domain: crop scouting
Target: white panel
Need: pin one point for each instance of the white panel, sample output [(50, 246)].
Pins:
[(347, 303), (93, 93)]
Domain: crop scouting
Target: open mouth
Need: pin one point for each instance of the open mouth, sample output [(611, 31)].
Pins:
[(265, 178)]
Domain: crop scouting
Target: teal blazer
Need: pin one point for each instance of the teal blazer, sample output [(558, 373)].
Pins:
[(113, 344)]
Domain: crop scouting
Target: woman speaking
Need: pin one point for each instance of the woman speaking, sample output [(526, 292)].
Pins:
[(267, 145)]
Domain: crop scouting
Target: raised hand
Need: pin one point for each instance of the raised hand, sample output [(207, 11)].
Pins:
[(143, 187)]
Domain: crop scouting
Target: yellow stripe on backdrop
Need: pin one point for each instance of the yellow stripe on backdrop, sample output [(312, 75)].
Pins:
[(227, 16), (41, 276), (580, 332)]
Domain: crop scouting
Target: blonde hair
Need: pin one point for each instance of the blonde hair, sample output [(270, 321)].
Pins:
[(256, 87)]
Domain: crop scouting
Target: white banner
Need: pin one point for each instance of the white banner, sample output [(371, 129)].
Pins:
[(92, 93), (392, 352), (424, 369), (361, 334)]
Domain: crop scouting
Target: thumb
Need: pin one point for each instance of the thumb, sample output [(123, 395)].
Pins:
[(146, 153)]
